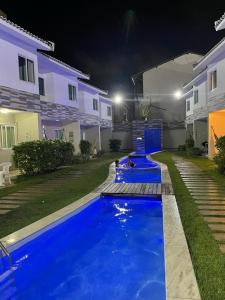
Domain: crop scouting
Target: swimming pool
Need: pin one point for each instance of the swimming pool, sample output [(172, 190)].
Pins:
[(113, 249), (145, 171)]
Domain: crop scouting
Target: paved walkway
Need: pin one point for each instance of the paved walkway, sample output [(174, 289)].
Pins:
[(208, 195), (15, 200)]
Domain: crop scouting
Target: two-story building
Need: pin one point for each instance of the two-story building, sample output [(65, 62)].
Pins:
[(205, 97), (42, 97)]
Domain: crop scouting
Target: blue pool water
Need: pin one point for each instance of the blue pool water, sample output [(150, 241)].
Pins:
[(145, 171), (111, 250)]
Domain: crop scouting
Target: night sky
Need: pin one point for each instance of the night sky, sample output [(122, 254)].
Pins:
[(114, 40)]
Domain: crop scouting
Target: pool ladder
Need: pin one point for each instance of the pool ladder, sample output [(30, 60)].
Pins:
[(7, 254)]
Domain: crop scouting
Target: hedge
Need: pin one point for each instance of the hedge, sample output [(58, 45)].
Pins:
[(37, 157)]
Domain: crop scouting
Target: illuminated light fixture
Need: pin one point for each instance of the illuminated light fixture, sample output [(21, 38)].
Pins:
[(4, 111), (177, 94), (139, 138), (118, 99)]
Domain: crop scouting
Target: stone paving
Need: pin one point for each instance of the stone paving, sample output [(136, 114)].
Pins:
[(208, 195), (23, 196)]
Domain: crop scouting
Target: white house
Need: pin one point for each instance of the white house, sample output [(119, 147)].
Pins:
[(205, 97), (160, 85), (42, 97)]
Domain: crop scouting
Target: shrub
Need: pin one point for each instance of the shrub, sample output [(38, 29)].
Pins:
[(77, 159), (181, 148), (64, 151), (189, 142), (38, 157), (220, 157), (100, 153), (114, 145), (194, 151), (85, 149)]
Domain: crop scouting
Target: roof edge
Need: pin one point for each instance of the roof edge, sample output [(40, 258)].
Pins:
[(9, 23)]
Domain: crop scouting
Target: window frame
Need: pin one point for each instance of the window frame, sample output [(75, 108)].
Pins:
[(25, 67), (27, 77), (109, 109), (73, 92), (61, 131), (32, 78), (188, 105), (196, 98), (6, 139), (41, 79), (95, 104), (212, 80)]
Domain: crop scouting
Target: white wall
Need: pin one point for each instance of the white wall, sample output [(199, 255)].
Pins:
[(190, 112), (92, 135), (161, 82), (86, 103), (56, 89), (75, 128), (104, 114), (172, 138), (9, 69), (202, 102), (220, 68), (106, 135)]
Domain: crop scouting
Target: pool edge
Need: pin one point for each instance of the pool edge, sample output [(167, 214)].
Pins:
[(179, 273), (180, 278)]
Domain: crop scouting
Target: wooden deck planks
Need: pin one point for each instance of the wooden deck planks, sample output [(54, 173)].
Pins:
[(137, 189)]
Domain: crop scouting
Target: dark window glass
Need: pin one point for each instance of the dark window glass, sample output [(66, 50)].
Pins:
[(188, 105), (30, 70), (109, 111), (41, 86), (72, 92), (95, 104), (195, 96), (22, 68)]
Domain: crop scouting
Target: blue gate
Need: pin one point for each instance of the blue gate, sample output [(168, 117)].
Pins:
[(152, 140)]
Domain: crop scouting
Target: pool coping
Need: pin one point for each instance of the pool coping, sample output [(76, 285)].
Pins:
[(179, 273), (180, 277)]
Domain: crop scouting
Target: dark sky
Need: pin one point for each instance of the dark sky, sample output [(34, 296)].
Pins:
[(114, 40)]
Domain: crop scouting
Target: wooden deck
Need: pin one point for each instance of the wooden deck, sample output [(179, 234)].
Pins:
[(135, 189)]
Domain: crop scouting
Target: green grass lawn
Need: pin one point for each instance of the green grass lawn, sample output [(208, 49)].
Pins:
[(208, 261), (70, 191)]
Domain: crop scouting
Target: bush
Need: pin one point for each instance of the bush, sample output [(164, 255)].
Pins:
[(37, 157), (220, 157), (85, 149), (100, 153), (114, 145), (190, 142), (64, 151), (194, 151), (77, 159), (181, 148)]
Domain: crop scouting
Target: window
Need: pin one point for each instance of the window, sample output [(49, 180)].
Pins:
[(26, 69), (71, 137), (109, 111), (7, 136), (95, 104), (30, 70), (41, 83), (212, 80), (195, 96), (72, 92), (188, 105), (22, 68), (58, 134)]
